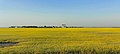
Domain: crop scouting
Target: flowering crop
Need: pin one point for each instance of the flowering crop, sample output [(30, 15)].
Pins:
[(61, 40)]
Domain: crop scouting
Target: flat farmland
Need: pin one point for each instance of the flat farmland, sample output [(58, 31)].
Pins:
[(59, 40)]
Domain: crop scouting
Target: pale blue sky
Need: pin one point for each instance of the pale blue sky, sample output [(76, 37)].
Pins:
[(56, 12)]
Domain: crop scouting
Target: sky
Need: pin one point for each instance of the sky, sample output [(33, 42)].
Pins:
[(55, 12)]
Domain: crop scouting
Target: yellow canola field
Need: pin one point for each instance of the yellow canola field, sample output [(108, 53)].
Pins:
[(61, 40)]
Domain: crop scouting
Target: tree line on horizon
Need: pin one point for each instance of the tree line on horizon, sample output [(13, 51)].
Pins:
[(45, 27)]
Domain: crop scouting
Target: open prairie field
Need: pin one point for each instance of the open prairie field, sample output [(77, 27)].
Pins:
[(60, 41)]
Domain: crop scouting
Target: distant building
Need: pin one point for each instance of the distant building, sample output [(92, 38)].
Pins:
[(64, 25)]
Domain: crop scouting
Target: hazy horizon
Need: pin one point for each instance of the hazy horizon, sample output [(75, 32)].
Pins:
[(55, 12)]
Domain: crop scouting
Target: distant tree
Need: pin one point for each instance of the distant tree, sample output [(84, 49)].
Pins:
[(12, 27)]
